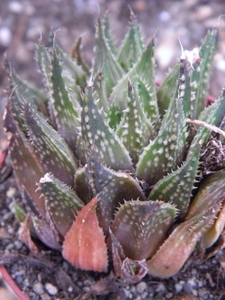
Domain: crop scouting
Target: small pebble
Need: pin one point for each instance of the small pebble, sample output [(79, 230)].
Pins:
[(164, 16), (179, 287), (160, 288), (5, 36), (169, 295), (18, 245), (38, 288), (187, 288), (15, 7), (51, 289), (141, 287)]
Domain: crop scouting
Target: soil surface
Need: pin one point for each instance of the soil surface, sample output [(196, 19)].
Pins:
[(22, 23)]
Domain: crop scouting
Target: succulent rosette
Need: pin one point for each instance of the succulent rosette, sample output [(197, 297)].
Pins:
[(112, 167)]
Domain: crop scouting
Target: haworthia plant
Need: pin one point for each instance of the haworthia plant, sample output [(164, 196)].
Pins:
[(110, 165)]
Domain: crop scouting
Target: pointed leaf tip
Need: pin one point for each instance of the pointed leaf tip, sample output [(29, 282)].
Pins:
[(84, 245)]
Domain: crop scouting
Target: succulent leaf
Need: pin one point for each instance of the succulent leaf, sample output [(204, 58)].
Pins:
[(211, 194), (144, 68), (64, 104), (168, 89), (74, 73), (44, 61), (104, 60), (132, 46), (77, 55), (212, 115), (25, 90), (131, 271), (165, 153), (111, 187), (53, 153), (213, 233), (149, 103), (114, 116), (181, 243), (99, 88), (177, 187), (200, 85), (26, 166), (96, 133), (108, 35), (61, 202), (46, 233), (134, 130), (84, 245), (144, 222)]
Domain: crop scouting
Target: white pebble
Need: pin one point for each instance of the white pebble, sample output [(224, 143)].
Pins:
[(178, 287), (5, 36), (51, 289), (38, 288), (15, 7), (161, 288), (141, 287), (164, 16)]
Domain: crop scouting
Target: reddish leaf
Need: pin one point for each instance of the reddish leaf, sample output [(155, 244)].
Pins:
[(84, 245)]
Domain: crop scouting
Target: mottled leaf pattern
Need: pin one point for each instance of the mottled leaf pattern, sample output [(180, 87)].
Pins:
[(134, 130), (53, 153), (176, 187), (143, 222), (96, 133), (164, 154), (111, 187), (61, 202), (104, 60), (143, 68), (132, 47), (200, 75)]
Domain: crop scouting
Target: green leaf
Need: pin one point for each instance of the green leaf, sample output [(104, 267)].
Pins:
[(212, 115), (73, 72), (111, 187), (200, 74), (145, 223), (99, 88), (149, 102), (97, 134), (64, 103), (108, 34), (176, 188), (25, 90), (61, 202), (168, 89), (53, 153), (104, 60), (44, 62), (144, 68), (132, 46), (114, 116), (165, 153), (134, 130)]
